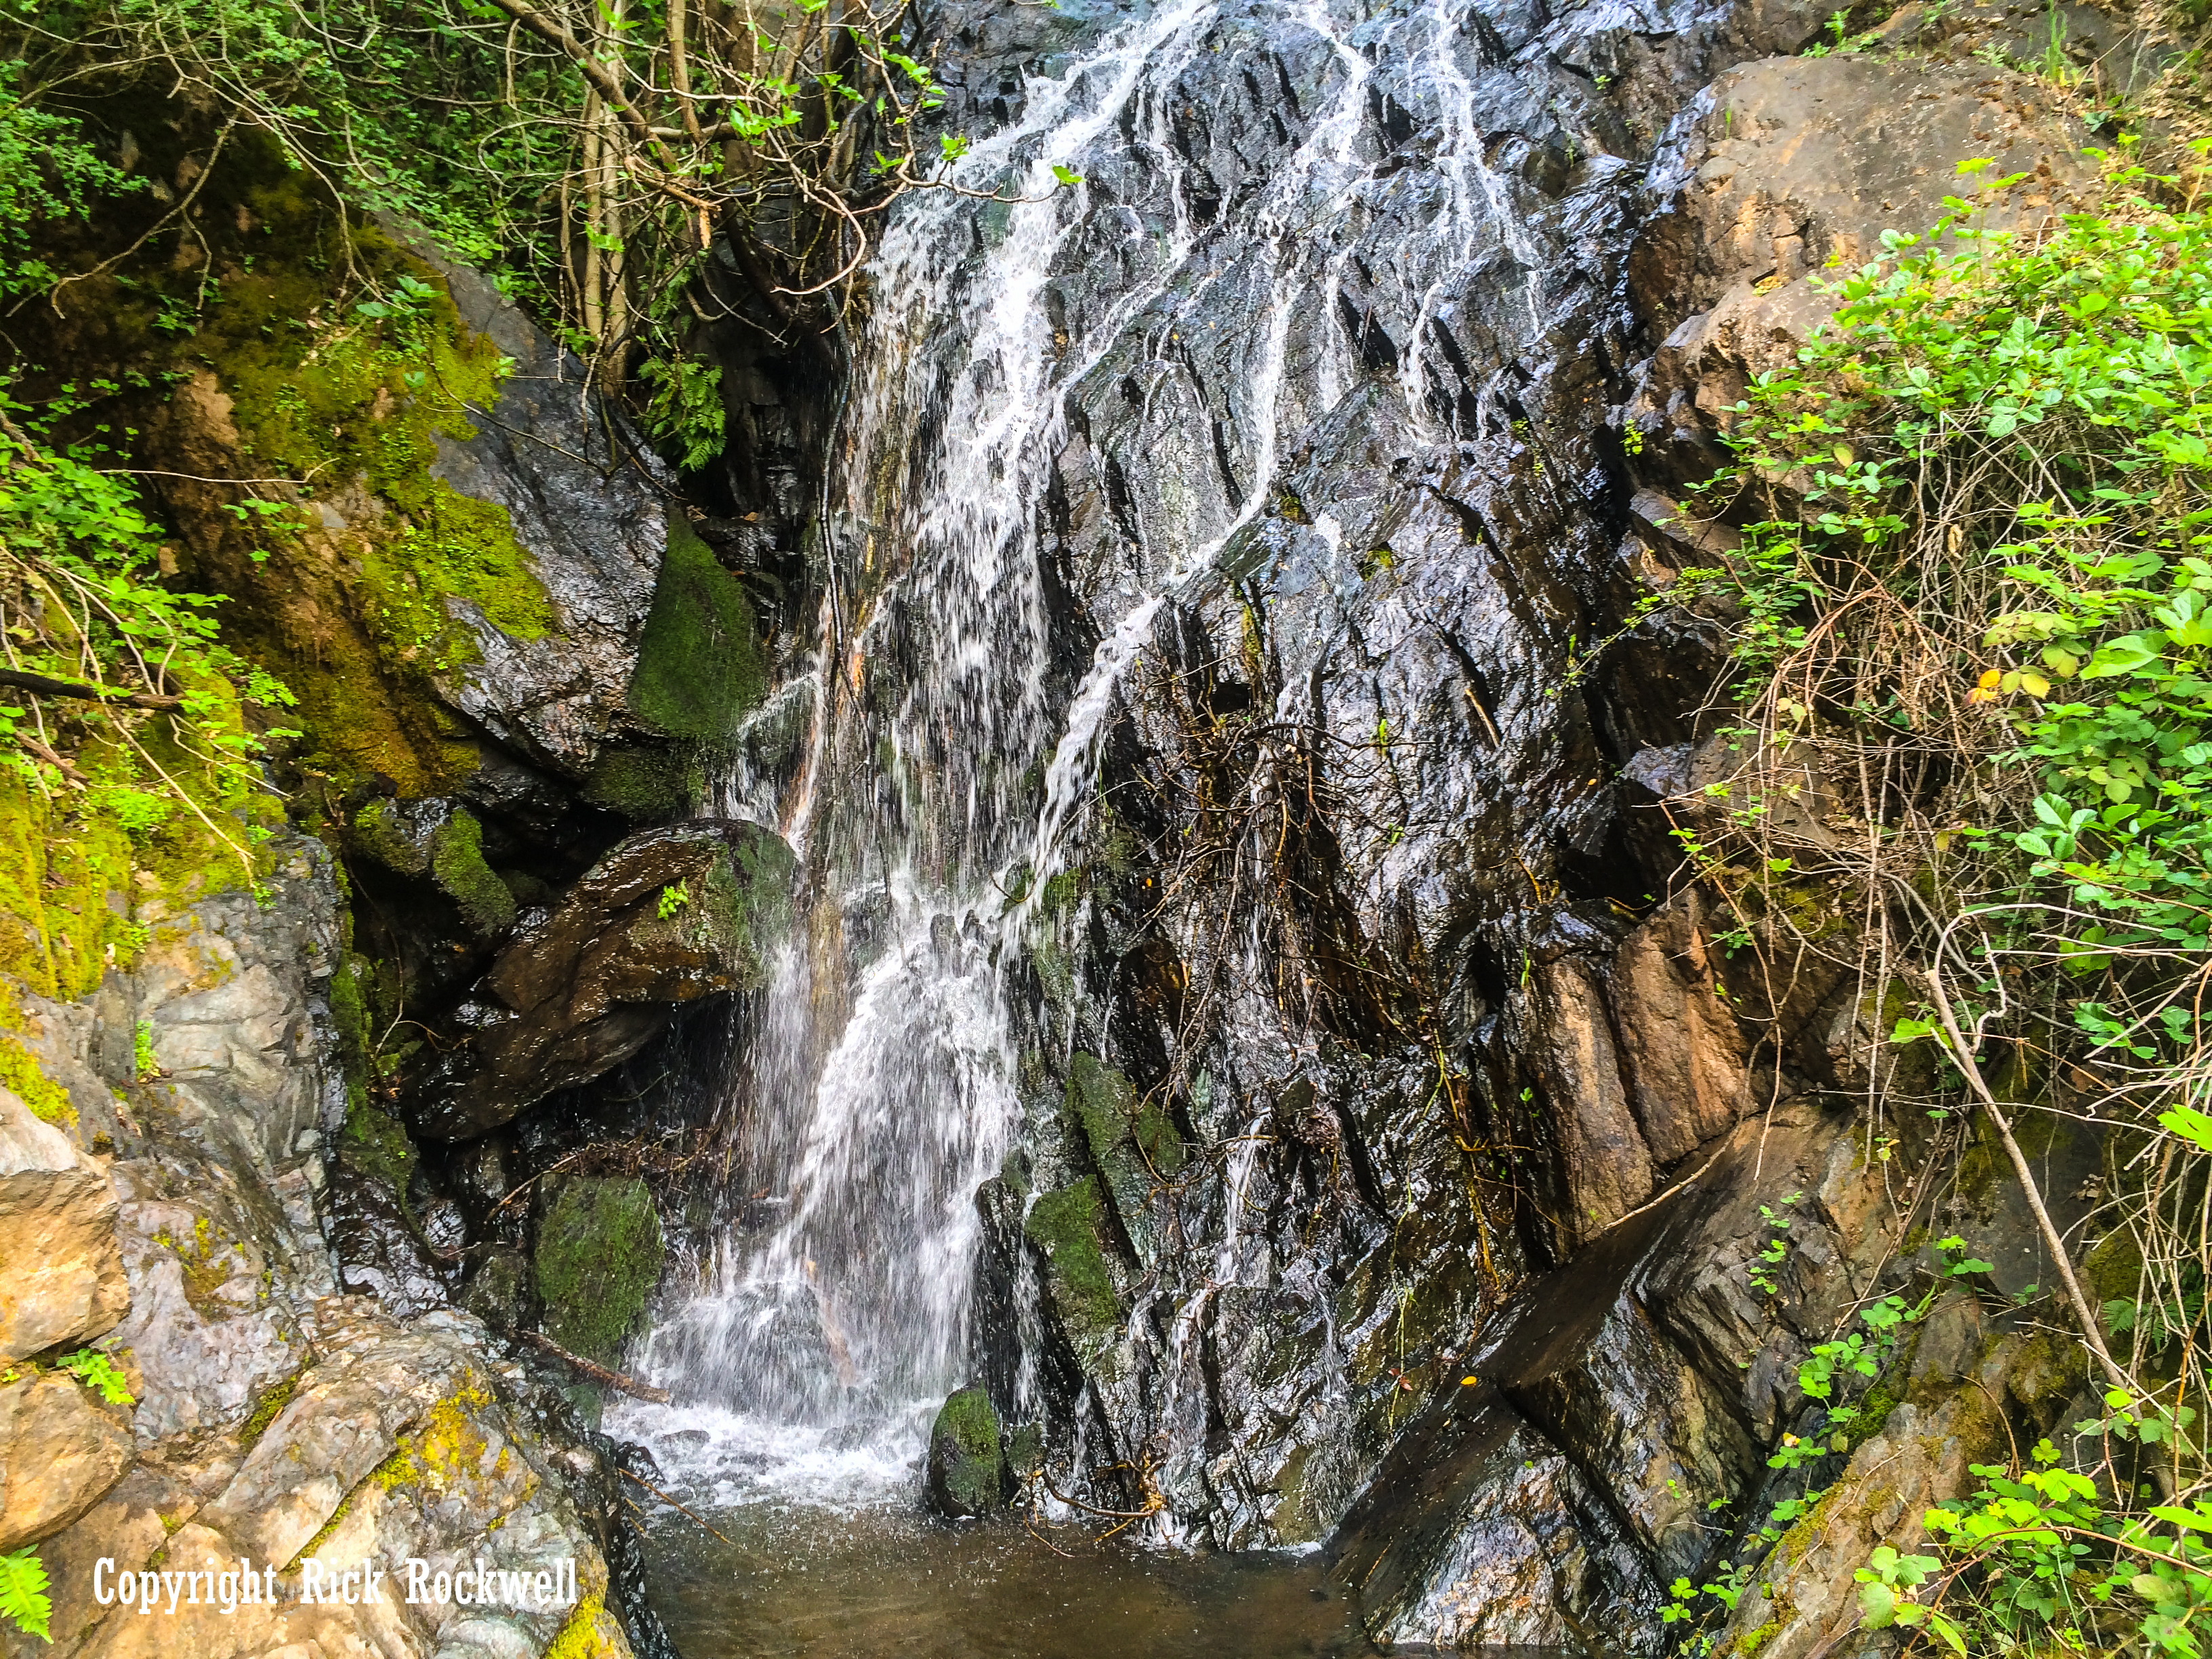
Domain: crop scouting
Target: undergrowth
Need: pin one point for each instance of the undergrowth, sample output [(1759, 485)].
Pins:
[(1970, 705)]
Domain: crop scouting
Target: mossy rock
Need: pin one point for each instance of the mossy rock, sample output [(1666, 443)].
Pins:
[(597, 1259), (967, 1457), (649, 785), (699, 664), (1068, 1225), (457, 864), (1132, 1140)]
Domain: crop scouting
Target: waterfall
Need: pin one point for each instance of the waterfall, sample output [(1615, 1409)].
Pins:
[(879, 1087)]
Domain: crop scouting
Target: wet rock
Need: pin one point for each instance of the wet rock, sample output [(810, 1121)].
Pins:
[(1069, 1226), (668, 916), (61, 1275), (598, 1260), (60, 1451), (1684, 1053), (1134, 1145), (967, 1459)]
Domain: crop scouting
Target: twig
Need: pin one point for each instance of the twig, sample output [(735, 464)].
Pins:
[(599, 1373), (41, 685), (671, 1502)]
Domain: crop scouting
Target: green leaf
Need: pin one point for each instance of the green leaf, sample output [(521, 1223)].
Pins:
[(1067, 176), (23, 1585), (2124, 655)]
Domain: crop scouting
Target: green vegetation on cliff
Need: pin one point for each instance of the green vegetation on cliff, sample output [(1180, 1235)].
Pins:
[(1975, 593)]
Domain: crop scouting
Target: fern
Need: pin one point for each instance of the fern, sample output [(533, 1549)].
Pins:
[(96, 1371), (23, 1593)]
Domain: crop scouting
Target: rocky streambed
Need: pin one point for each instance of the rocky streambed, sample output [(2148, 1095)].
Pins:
[(1113, 861)]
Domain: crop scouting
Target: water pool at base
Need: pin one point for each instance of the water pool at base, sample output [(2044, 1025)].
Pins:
[(796, 1581)]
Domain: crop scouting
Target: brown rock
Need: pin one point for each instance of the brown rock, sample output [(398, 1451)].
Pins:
[(59, 1453), (1684, 1052), (1608, 1167), (1798, 165), (61, 1273), (668, 916)]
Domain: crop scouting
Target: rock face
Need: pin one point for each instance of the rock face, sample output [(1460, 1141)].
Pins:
[(59, 1453), (272, 1419), (967, 1458), (1381, 347), (670, 917), (61, 1273), (1786, 168)]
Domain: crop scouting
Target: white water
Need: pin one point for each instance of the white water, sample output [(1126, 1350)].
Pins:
[(876, 1098)]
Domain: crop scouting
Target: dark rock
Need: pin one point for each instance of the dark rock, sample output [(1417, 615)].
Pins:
[(967, 1460), (670, 917)]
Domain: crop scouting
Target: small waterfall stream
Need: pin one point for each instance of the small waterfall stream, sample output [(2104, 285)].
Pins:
[(880, 1091)]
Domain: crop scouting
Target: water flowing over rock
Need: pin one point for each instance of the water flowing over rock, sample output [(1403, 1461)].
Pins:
[(1245, 1026)]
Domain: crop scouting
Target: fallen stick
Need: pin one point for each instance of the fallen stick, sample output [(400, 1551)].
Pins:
[(671, 1502), (599, 1373)]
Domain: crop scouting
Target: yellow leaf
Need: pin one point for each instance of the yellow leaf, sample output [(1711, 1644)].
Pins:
[(2034, 685)]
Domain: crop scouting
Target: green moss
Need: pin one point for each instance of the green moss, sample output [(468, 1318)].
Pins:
[(447, 1449), (599, 1257), (48, 1101), (582, 1637), (649, 785), (457, 863), (1065, 1225), (376, 1144), (354, 615), (967, 1460), (1751, 1641), (265, 1411), (699, 664), (378, 831), (1133, 1141)]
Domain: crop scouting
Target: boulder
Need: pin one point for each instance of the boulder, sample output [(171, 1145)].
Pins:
[(60, 1451), (668, 916), (598, 1258), (401, 1441), (967, 1457), (61, 1273)]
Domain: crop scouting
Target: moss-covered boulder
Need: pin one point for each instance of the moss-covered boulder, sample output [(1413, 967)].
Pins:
[(597, 1258), (1133, 1142), (967, 1458), (1070, 1226), (668, 917)]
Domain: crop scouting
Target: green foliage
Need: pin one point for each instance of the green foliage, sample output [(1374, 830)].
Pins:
[(673, 899), (584, 155), (23, 1598), (48, 170), (1979, 557), (685, 411), (100, 1374)]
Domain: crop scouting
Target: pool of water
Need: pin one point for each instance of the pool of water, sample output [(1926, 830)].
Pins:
[(787, 1580)]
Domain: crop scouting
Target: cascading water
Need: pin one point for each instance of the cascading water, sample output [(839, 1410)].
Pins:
[(879, 1091)]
